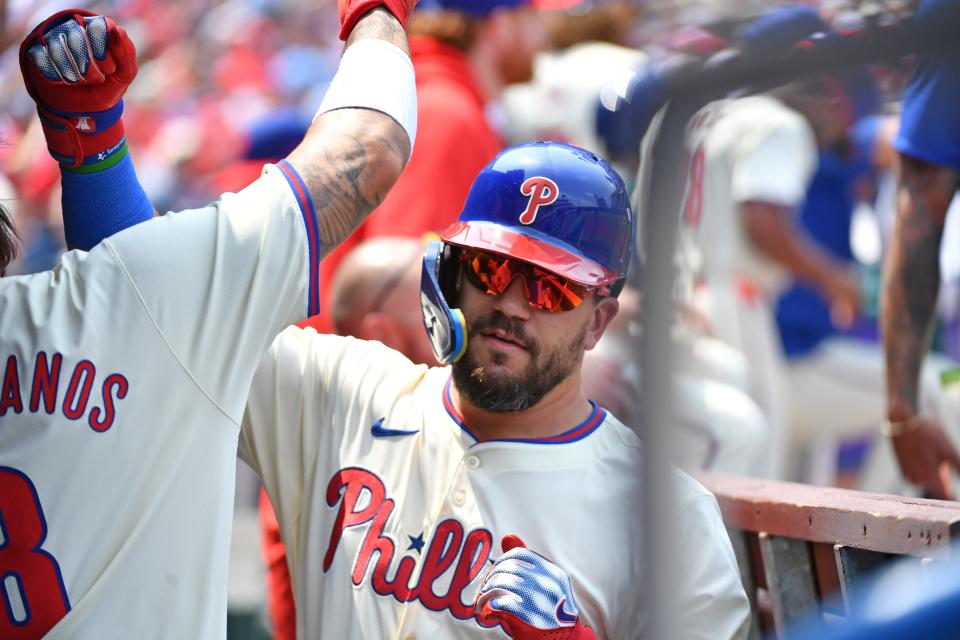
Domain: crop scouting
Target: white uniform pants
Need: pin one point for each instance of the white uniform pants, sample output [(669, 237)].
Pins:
[(839, 391)]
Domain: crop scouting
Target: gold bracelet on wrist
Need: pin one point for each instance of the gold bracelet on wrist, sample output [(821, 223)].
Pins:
[(894, 428)]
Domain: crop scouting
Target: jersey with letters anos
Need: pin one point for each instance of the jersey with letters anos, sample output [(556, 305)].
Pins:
[(124, 373), (392, 512)]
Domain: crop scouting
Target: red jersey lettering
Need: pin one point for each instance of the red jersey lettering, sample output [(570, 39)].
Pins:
[(45, 380), (10, 397), (449, 548), (43, 389), (114, 383)]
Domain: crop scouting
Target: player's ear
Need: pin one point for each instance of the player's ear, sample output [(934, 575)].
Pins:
[(604, 311), (8, 240), (380, 326)]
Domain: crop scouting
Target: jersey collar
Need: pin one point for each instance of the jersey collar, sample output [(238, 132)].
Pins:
[(579, 432)]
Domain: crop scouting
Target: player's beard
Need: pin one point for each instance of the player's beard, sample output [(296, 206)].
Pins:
[(503, 391)]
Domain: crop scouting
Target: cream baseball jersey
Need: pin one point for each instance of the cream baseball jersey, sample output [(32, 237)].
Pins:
[(125, 373), (747, 149), (392, 512)]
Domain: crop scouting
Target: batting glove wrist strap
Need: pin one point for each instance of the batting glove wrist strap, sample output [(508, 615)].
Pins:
[(95, 139), (77, 66), (352, 10), (520, 630), (582, 632)]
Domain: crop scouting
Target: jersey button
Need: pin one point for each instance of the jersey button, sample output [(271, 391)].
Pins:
[(459, 498), (472, 462)]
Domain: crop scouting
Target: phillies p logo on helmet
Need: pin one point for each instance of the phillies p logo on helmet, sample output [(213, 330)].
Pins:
[(541, 191)]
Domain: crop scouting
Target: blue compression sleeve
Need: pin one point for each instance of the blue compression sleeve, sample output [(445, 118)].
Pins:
[(98, 205)]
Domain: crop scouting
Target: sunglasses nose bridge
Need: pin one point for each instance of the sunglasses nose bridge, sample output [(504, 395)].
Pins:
[(528, 292), (514, 299), (528, 283), (505, 275)]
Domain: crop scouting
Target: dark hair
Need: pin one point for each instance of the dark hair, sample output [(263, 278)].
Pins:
[(604, 22), (453, 28), (8, 240)]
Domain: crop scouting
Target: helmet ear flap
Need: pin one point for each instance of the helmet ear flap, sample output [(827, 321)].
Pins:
[(448, 273), (439, 281)]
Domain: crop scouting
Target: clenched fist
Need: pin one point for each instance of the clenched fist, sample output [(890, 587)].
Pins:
[(77, 67)]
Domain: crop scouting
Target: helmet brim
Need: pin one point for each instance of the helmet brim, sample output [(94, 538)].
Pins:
[(526, 246)]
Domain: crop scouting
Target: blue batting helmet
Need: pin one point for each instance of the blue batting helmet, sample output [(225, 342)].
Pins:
[(553, 205)]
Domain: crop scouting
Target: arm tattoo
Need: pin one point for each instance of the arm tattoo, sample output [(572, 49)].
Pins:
[(913, 278), (379, 24), (351, 157)]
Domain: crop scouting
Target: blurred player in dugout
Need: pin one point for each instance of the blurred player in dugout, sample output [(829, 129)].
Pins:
[(928, 144), (752, 160), (718, 426)]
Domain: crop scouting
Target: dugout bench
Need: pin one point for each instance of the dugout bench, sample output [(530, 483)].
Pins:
[(798, 545)]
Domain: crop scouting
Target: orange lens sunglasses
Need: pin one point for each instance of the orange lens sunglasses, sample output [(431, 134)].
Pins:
[(492, 273)]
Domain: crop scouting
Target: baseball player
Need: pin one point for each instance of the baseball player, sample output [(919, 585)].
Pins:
[(126, 368), (491, 498), (739, 194), (929, 147), (751, 160)]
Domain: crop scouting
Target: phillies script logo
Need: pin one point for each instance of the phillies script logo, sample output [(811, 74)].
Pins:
[(449, 547), (541, 191)]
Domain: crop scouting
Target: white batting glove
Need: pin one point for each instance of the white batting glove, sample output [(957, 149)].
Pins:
[(530, 596)]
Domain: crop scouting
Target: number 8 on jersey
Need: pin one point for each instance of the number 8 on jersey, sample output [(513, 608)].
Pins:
[(31, 587)]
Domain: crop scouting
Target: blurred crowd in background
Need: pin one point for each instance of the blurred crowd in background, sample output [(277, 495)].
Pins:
[(224, 83), (224, 86), (210, 74)]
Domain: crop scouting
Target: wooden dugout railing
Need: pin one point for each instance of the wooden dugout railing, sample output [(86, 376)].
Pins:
[(805, 550)]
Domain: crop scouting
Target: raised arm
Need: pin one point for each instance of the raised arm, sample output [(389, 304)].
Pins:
[(221, 281), (77, 66), (351, 157)]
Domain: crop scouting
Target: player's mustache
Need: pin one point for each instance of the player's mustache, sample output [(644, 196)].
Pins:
[(513, 328)]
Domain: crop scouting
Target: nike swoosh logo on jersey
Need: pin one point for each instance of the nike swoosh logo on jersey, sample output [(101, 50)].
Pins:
[(380, 431), (563, 616)]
